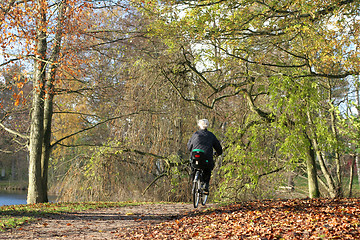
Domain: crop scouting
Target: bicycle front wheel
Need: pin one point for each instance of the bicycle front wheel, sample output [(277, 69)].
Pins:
[(196, 193)]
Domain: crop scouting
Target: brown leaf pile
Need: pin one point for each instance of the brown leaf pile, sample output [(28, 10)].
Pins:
[(267, 219)]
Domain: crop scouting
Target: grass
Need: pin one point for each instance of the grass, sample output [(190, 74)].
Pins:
[(301, 186), (13, 216)]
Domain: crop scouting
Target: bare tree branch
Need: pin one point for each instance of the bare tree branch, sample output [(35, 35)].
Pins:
[(94, 126), (143, 153), (14, 132), (164, 174), (10, 61), (121, 149)]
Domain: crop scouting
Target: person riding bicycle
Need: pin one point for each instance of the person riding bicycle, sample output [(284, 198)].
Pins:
[(206, 141)]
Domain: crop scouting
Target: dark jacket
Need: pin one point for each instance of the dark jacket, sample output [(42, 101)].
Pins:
[(205, 140)]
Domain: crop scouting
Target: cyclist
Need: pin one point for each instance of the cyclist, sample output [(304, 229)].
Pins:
[(206, 141)]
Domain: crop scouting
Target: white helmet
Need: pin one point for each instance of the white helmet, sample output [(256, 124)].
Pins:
[(203, 123)]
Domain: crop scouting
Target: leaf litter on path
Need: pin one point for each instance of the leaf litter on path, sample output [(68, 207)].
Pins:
[(263, 219), (266, 219)]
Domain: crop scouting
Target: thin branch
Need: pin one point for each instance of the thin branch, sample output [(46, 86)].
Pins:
[(6, 151), (194, 4), (81, 145), (323, 183), (214, 101), (10, 61), (315, 15), (182, 95), (77, 91), (12, 152), (77, 113), (260, 63), (267, 116), (94, 126), (271, 172), (121, 149), (188, 63), (154, 181), (14, 132), (143, 153)]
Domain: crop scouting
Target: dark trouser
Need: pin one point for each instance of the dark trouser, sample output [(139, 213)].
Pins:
[(206, 175)]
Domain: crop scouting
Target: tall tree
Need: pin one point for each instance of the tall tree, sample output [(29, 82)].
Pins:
[(32, 34)]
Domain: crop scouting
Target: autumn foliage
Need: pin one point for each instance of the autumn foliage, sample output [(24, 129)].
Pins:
[(117, 87), (267, 219)]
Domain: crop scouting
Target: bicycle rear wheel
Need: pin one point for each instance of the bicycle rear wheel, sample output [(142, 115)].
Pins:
[(204, 198), (196, 191)]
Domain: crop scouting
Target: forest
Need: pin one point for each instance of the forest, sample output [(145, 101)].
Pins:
[(99, 97)]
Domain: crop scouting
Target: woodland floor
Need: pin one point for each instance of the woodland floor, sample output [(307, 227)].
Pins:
[(267, 219)]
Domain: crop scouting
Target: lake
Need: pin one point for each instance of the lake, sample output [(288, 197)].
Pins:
[(16, 198), (12, 197)]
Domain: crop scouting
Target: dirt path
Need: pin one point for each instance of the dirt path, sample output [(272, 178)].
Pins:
[(101, 223)]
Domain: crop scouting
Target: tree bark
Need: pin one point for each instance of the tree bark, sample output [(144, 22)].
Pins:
[(313, 184), (48, 102), (357, 162), (42, 108), (36, 192), (46, 151), (338, 186), (329, 180), (351, 176)]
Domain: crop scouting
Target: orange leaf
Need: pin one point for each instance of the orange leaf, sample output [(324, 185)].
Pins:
[(17, 101), (20, 84)]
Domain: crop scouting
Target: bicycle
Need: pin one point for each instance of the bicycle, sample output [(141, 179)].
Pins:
[(198, 189), (197, 162)]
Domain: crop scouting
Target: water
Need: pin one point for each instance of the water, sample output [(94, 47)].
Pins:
[(12, 198), (16, 198)]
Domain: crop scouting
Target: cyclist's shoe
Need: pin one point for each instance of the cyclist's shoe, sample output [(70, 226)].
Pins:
[(206, 189)]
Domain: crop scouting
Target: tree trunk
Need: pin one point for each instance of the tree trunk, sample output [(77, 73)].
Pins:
[(357, 162), (36, 191), (313, 184), (49, 97), (41, 119), (332, 190), (329, 180), (46, 151), (338, 186), (351, 176)]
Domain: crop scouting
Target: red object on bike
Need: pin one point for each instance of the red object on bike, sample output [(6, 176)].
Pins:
[(197, 155)]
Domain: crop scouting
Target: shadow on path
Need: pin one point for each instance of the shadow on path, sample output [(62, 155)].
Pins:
[(103, 223)]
